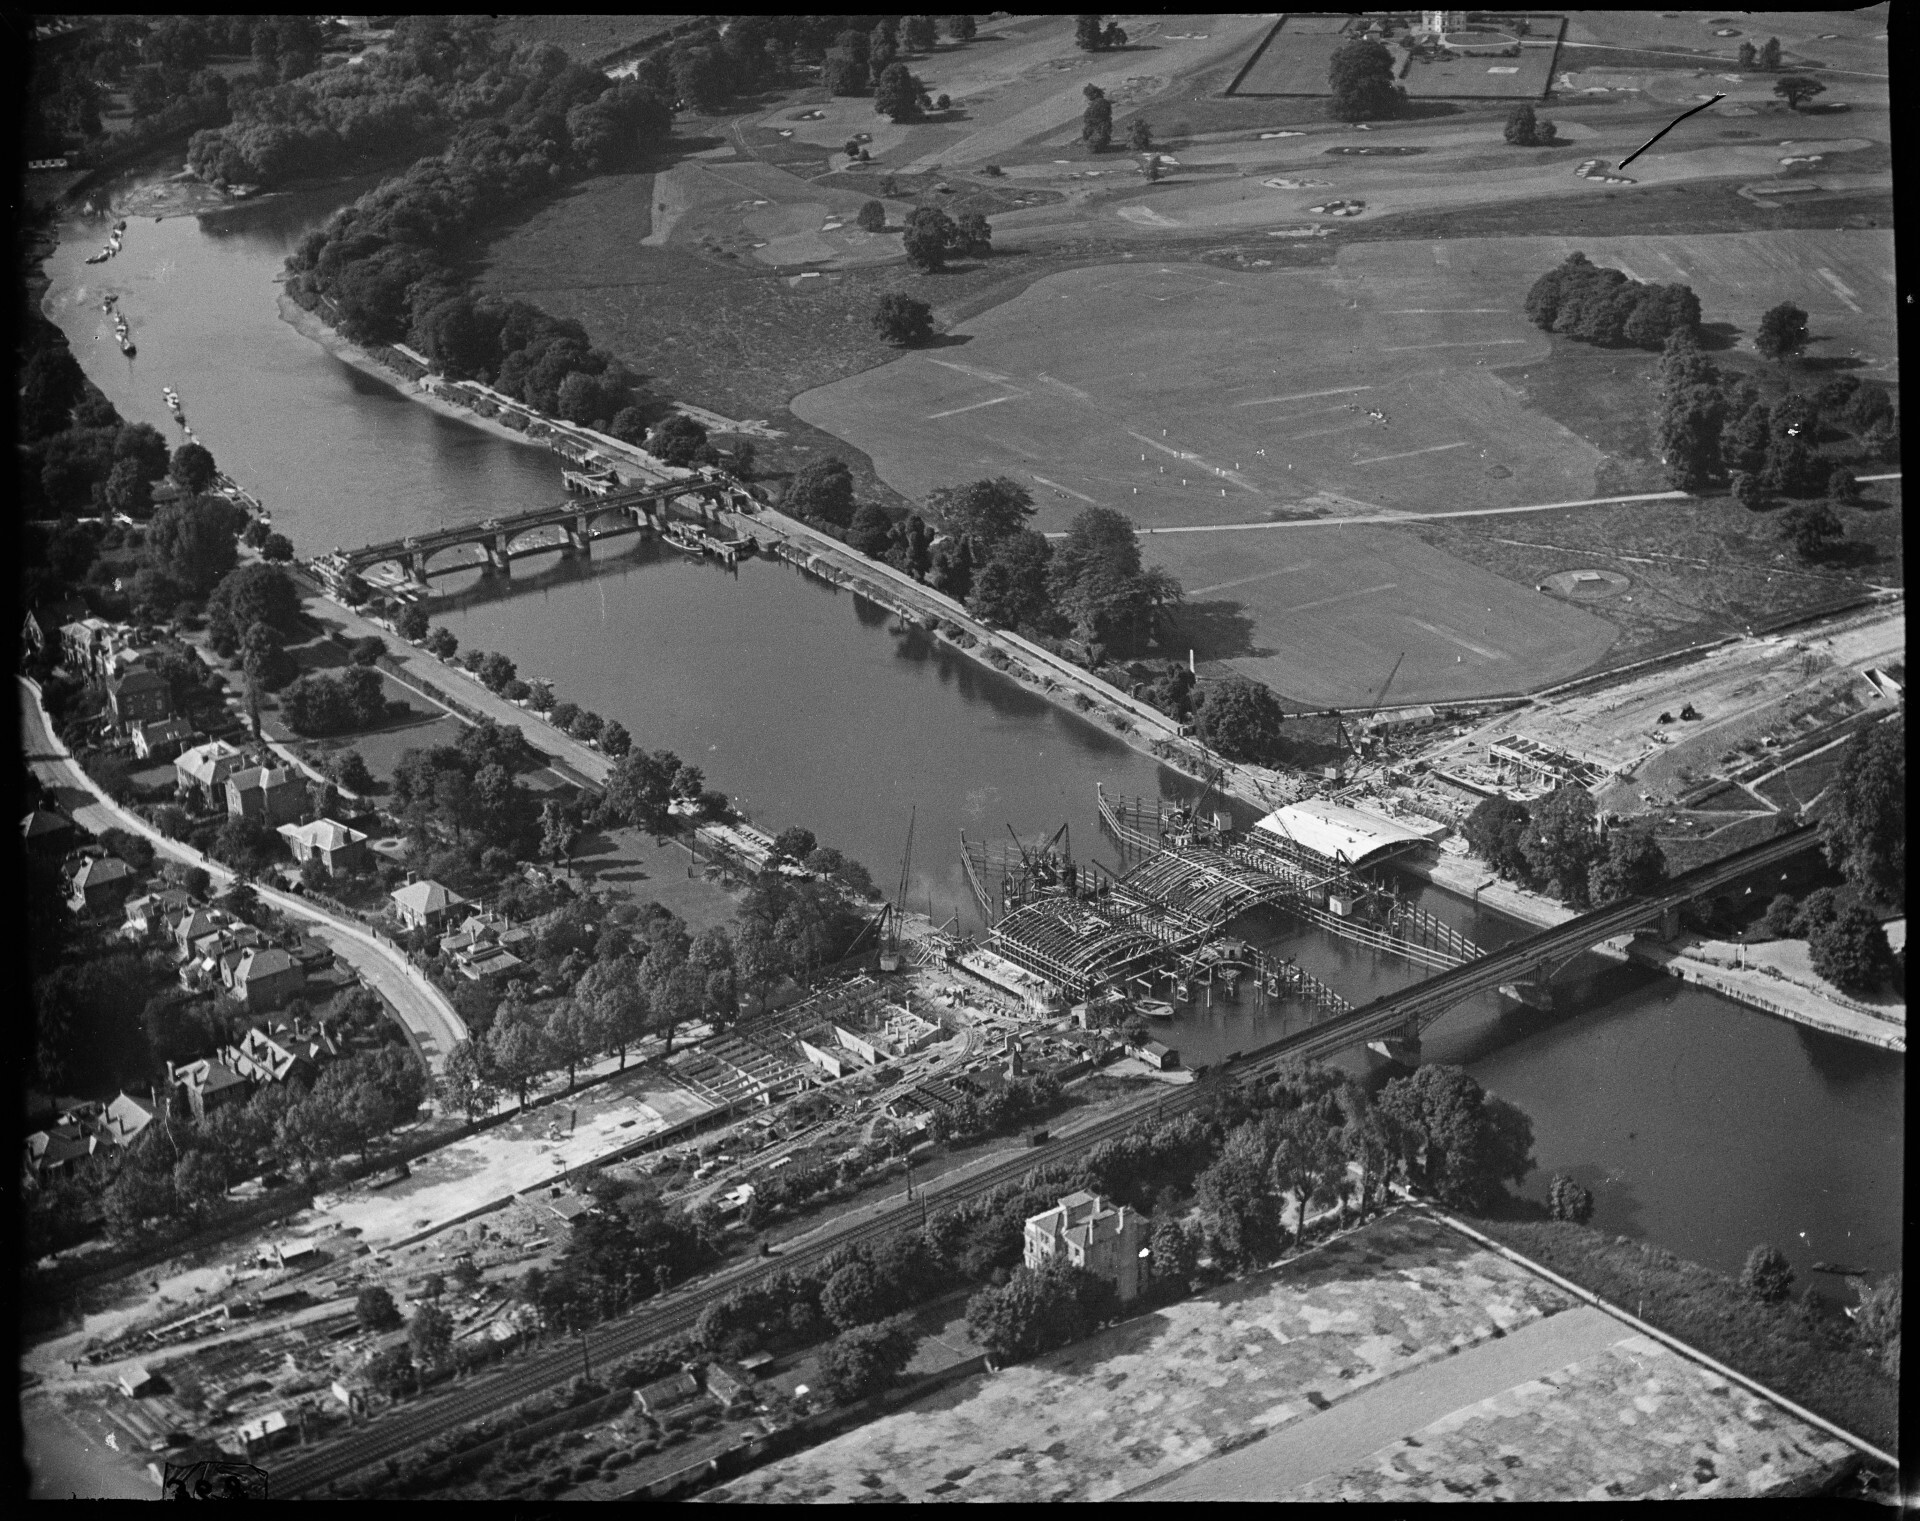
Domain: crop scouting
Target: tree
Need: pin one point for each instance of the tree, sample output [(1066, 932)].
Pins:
[(1634, 866), (1239, 718), (929, 237), (614, 739), (1865, 822), (1096, 124), (917, 34), (1794, 88), (1568, 1200), (1308, 1161), (1139, 135), (250, 595), (192, 469), (376, 1310), (1011, 590), (1171, 1255), (192, 543), (849, 1298), (983, 512), (1239, 1209), (959, 28), (571, 1036), (1033, 1311), (1850, 949), (1782, 332), (1814, 530), (897, 94), (866, 1359), (1770, 54), (442, 643), (277, 548), (430, 1335), (900, 319), (794, 843), (677, 439), (1458, 1140), (1494, 831), (1746, 57), (872, 217), (1766, 1276), (843, 74), (871, 531), (411, 625), (1087, 33), (822, 489), (1361, 76), (518, 1048), (1877, 1322), (619, 1008), (1562, 841), (1522, 128), (640, 787)]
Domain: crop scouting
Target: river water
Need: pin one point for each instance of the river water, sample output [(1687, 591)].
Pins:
[(1699, 1124)]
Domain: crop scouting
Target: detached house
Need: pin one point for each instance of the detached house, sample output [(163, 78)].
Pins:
[(425, 904), (273, 795), (342, 851), (125, 1119), (101, 883), (208, 1085), (1087, 1231), (46, 832), (260, 1058), (483, 946), (207, 767), (162, 740), (262, 976), (140, 696)]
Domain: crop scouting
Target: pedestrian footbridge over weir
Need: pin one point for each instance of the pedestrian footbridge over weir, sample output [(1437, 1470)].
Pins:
[(503, 540)]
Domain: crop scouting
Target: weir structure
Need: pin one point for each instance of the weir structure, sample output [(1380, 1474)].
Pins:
[(505, 539)]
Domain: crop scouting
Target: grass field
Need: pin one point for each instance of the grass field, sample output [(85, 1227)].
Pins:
[(1323, 615), (1294, 62)]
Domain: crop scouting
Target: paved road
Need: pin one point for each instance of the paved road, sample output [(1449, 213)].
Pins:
[(1339, 1437), (420, 1006)]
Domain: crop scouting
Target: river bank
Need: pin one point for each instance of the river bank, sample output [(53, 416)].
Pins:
[(1060, 682), (1770, 978)]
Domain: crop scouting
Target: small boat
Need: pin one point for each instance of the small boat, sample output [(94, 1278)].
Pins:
[(684, 538), (101, 257), (121, 225), (127, 348), (1154, 1008), (1839, 1270)]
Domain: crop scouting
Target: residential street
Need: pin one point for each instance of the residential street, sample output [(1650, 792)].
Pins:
[(421, 1007)]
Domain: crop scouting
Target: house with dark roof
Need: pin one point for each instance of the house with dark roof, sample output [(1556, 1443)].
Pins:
[(102, 883), (42, 627), (342, 851), (273, 795), (729, 1383), (208, 1085), (260, 1058), (162, 740), (56, 1152), (140, 696), (263, 977), (425, 904), (84, 644), (47, 832), (153, 914)]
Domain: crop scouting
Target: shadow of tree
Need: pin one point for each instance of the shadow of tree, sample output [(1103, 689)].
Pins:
[(1715, 336), (1213, 630)]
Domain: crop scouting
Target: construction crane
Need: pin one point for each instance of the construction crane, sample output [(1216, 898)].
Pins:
[(1381, 694), (893, 951)]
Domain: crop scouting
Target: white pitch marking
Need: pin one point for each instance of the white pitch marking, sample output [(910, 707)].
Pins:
[(1839, 289), (1265, 575), (1472, 343), (1265, 401), (1067, 489), (1435, 449), (1441, 311), (1301, 607), (956, 411), (974, 370), (1465, 644)]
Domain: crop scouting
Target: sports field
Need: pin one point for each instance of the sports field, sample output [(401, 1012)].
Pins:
[(1321, 615), (1294, 61)]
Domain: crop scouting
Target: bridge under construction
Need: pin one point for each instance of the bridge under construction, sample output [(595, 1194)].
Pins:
[(1312, 861)]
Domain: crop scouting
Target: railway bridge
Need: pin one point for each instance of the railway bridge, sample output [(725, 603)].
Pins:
[(505, 539), (1394, 1023)]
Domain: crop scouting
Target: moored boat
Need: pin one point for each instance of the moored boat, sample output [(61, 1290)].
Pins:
[(1154, 1008), (684, 538)]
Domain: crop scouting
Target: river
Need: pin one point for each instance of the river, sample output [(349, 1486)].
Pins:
[(1700, 1125)]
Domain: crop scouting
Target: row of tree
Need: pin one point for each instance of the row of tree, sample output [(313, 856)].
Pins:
[(1557, 846), (1598, 305), (176, 1170), (1715, 425)]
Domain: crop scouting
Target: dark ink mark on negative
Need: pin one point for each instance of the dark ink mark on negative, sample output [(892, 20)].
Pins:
[(1665, 130), (219, 1479)]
